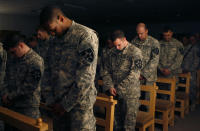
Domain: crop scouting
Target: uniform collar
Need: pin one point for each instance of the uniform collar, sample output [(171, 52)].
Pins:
[(24, 57)]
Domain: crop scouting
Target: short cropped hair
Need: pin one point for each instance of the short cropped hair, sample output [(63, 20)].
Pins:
[(117, 34), (40, 27), (12, 41), (48, 13)]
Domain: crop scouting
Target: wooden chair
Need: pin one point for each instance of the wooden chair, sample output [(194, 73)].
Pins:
[(198, 87), (182, 97), (166, 107), (108, 103), (146, 119), (22, 122)]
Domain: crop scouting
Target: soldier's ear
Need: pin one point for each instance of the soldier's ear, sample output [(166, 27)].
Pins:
[(20, 45), (61, 18), (147, 30)]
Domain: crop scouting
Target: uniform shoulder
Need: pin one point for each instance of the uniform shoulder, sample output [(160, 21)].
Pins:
[(134, 50), (82, 30), (35, 60), (153, 40), (177, 42)]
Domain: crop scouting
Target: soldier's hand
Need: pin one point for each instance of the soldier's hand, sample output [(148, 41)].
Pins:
[(58, 109), (167, 72), (141, 77), (113, 91)]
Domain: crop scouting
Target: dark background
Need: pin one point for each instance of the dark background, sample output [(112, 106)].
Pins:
[(106, 15)]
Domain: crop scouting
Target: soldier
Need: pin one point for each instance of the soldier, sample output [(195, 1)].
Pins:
[(121, 79), (21, 91), (171, 55), (44, 41), (190, 64), (3, 58), (150, 48), (72, 63)]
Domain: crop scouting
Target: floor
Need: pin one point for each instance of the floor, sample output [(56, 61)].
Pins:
[(191, 122)]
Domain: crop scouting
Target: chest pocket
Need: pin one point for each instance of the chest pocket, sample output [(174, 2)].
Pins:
[(172, 51), (146, 53), (125, 63), (69, 58)]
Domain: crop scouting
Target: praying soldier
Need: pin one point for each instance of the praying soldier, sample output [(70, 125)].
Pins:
[(171, 55), (21, 90), (150, 48), (121, 79), (72, 65), (190, 64), (3, 58)]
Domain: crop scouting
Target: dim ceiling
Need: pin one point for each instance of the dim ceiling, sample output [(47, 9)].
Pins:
[(111, 10)]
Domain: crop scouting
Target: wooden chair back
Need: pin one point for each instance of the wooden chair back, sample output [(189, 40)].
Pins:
[(171, 91), (108, 103), (22, 122), (149, 103), (185, 85)]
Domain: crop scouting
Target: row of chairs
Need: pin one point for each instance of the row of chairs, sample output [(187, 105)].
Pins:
[(177, 101), (145, 119)]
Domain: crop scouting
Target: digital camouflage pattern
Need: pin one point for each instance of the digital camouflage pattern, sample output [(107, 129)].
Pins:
[(171, 56), (22, 83), (191, 63), (150, 50), (3, 59), (72, 65), (122, 72)]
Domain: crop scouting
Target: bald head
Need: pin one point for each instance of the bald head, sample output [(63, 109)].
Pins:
[(142, 31)]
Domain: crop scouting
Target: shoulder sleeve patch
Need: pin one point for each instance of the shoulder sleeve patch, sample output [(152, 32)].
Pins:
[(86, 56), (138, 63), (181, 50), (155, 51)]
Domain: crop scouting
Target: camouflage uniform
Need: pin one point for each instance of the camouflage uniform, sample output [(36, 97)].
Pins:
[(22, 84), (122, 72), (3, 58), (190, 63), (171, 56), (72, 63), (42, 50), (150, 50)]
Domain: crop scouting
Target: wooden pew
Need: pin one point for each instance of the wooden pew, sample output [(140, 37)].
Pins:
[(146, 119), (108, 103), (22, 122), (166, 107), (182, 97)]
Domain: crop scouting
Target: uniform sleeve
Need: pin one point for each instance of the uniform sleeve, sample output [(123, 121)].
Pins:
[(30, 83), (151, 67), (46, 88), (178, 58), (3, 59), (106, 75), (135, 70), (85, 73), (192, 63)]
